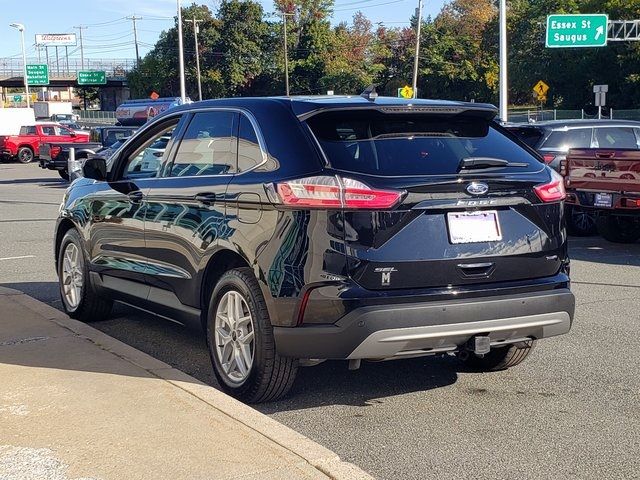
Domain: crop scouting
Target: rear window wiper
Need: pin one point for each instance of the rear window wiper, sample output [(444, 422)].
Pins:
[(474, 163)]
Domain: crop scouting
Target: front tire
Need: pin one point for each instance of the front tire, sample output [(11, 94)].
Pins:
[(500, 358), (619, 229), (63, 174), (241, 343), (79, 297), (25, 155)]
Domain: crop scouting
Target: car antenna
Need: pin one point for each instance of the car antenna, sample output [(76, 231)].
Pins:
[(370, 93)]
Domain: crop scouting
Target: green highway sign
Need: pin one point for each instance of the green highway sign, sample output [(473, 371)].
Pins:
[(92, 77), (37, 74), (575, 31)]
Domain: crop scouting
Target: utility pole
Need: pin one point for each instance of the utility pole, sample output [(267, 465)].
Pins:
[(80, 28), (504, 83), (133, 18), (183, 93), (416, 60), (20, 28), (196, 30), (286, 52)]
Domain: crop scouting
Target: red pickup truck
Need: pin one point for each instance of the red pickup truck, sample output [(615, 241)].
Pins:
[(26, 145), (606, 183)]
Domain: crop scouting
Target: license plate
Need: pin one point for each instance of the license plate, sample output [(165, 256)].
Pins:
[(473, 227), (603, 200)]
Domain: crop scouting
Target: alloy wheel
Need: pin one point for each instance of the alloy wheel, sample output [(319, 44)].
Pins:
[(72, 276), (234, 336)]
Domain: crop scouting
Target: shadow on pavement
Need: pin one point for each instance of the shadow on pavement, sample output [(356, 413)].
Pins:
[(330, 383), (598, 250), (34, 180)]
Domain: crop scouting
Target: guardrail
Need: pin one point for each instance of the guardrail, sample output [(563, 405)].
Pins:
[(532, 115)]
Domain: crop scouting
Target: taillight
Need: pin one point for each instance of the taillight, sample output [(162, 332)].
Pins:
[(548, 158), (55, 151), (553, 191), (335, 192)]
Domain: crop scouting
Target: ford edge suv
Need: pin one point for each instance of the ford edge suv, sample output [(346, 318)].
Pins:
[(295, 230)]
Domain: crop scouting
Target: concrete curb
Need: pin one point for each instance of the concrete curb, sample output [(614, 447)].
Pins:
[(315, 454)]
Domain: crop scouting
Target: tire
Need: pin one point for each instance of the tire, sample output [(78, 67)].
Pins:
[(580, 221), (268, 376), (86, 305), (25, 155), (618, 229), (500, 358), (63, 174)]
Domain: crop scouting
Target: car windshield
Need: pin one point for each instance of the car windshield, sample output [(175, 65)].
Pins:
[(375, 143)]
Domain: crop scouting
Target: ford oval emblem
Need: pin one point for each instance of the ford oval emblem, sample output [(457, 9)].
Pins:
[(477, 188)]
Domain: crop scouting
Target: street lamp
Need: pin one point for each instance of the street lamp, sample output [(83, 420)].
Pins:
[(20, 27), (504, 80)]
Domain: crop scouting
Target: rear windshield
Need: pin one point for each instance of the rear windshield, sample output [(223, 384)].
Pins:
[(563, 140), (375, 143), (529, 135)]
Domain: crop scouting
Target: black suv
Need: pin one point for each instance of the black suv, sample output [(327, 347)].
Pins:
[(293, 230)]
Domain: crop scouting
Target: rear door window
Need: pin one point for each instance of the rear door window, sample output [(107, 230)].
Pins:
[(376, 143), (563, 140), (616, 137), (529, 135)]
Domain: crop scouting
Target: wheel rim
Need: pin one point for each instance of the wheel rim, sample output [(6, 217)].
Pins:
[(234, 336), (72, 275), (583, 220), (25, 156)]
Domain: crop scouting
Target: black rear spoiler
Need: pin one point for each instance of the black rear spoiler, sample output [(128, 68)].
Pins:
[(481, 111)]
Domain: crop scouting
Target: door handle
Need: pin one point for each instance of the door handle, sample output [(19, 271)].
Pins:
[(206, 198), (605, 154), (135, 196)]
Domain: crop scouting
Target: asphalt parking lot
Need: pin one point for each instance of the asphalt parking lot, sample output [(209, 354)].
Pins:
[(570, 411)]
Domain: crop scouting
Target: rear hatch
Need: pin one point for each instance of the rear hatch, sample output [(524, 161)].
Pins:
[(469, 210), (604, 170)]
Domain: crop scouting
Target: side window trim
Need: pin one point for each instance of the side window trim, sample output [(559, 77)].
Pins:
[(117, 172)]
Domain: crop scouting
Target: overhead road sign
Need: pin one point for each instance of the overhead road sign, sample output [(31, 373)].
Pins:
[(92, 77), (575, 31), (56, 39), (37, 74)]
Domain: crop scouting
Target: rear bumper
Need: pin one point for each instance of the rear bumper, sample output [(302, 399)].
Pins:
[(385, 331), (53, 164), (626, 202)]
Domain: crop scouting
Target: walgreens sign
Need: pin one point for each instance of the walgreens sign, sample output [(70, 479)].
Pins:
[(56, 39)]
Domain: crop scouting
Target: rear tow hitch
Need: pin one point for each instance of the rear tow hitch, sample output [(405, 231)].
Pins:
[(480, 345)]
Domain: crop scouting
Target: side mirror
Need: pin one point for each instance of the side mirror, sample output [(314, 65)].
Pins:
[(95, 168)]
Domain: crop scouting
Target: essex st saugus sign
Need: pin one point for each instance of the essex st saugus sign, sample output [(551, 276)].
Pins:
[(575, 31)]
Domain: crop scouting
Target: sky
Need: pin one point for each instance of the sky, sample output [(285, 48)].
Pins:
[(110, 34)]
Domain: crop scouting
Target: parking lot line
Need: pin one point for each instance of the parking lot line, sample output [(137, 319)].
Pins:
[(20, 257)]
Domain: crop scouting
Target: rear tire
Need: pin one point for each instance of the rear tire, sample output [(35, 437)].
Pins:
[(580, 221), (500, 358), (83, 303), (267, 376), (619, 229), (63, 174), (25, 155)]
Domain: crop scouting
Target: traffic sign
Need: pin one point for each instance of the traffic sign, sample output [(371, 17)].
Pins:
[(405, 92), (17, 98), (541, 89), (154, 96), (92, 77), (574, 31), (37, 74), (601, 94)]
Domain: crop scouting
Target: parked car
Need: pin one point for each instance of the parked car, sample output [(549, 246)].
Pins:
[(26, 145), (553, 139), (607, 184), (293, 230), (55, 155)]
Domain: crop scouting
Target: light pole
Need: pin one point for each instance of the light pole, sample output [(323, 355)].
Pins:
[(183, 93), (20, 27), (504, 83), (286, 52), (415, 61), (196, 30)]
